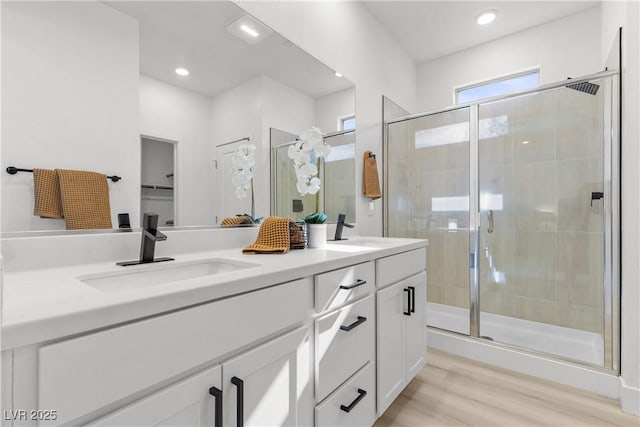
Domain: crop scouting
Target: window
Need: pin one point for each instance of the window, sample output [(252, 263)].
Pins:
[(347, 123), (496, 87)]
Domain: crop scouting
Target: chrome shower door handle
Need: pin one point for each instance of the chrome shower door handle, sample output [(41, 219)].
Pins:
[(490, 221)]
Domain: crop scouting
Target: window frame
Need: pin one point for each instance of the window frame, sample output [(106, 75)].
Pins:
[(343, 119)]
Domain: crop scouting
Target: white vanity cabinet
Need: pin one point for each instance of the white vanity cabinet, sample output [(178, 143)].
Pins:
[(333, 348), (267, 385), (82, 378), (345, 346), (401, 323)]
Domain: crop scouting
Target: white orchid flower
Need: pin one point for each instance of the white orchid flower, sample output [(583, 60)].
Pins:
[(241, 193), (242, 162), (308, 169), (311, 141), (314, 185), (322, 150)]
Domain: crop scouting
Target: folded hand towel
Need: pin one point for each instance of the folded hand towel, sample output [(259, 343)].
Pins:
[(370, 180), (235, 220), (85, 199), (273, 237), (46, 189)]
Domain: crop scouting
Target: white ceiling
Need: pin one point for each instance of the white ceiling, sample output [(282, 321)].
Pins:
[(430, 29), (192, 35)]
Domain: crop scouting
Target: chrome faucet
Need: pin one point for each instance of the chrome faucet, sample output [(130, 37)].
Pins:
[(150, 235), (340, 226)]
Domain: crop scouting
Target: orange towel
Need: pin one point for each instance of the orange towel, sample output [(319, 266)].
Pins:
[(236, 220), (46, 189), (273, 237), (85, 199), (370, 180)]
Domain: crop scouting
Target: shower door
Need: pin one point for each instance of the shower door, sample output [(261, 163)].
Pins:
[(428, 197), (518, 197), (542, 222)]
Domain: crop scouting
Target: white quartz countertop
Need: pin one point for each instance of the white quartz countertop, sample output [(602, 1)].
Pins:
[(48, 304)]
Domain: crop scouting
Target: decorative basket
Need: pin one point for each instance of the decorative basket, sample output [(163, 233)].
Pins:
[(298, 235)]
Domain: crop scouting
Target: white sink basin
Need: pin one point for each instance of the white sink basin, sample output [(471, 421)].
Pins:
[(148, 275)]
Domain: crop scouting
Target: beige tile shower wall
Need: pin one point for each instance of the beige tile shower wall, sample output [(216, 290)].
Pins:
[(544, 260), (339, 177), (442, 171), (399, 192)]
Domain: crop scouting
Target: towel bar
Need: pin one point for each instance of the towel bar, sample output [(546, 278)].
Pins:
[(12, 170)]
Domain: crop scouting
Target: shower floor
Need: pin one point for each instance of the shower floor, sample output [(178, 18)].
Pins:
[(574, 344)]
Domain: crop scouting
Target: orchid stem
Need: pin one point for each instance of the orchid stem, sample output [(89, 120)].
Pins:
[(318, 193), (253, 203)]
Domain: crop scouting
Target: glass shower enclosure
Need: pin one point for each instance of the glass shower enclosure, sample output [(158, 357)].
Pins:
[(518, 198)]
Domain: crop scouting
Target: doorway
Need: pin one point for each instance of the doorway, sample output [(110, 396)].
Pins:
[(157, 193)]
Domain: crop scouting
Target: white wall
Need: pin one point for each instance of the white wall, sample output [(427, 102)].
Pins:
[(175, 114), (567, 47), (69, 100), (330, 108), (617, 14), (345, 36)]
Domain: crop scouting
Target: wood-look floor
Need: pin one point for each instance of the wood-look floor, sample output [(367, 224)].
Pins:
[(453, 391)]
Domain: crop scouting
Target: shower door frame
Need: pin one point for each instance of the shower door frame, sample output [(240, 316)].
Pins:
[(612, 211)]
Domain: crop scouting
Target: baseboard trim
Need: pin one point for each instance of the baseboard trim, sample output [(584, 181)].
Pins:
[(629, 398), (541, 367)]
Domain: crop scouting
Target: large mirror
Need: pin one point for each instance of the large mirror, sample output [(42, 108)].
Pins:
[(95, 86)]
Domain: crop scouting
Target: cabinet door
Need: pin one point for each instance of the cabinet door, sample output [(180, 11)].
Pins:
[(187, 403), (392, 303), (416, 326), (270, 385)]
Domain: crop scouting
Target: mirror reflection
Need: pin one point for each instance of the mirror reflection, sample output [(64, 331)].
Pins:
[(161, 94), (336, 172)]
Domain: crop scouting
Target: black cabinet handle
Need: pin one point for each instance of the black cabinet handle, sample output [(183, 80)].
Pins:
[(360, 321), (217, 394), (239, 401), (361, 395), (354, 285), (408, 312), (412, 298)]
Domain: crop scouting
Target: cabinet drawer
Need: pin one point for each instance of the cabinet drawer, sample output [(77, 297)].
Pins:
[(361, 407), (83, 374), (345, 341), (337, 287), (397, 267)]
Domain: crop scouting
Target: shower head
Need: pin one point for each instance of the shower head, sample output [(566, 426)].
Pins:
[(586, 87)]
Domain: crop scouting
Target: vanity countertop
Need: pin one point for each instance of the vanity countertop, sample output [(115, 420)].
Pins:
[(51, 303)]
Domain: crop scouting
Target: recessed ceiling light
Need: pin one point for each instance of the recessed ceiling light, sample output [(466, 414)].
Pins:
[(249, 29), (486, 17), (338, 74), (182, 71), (525, 142)]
